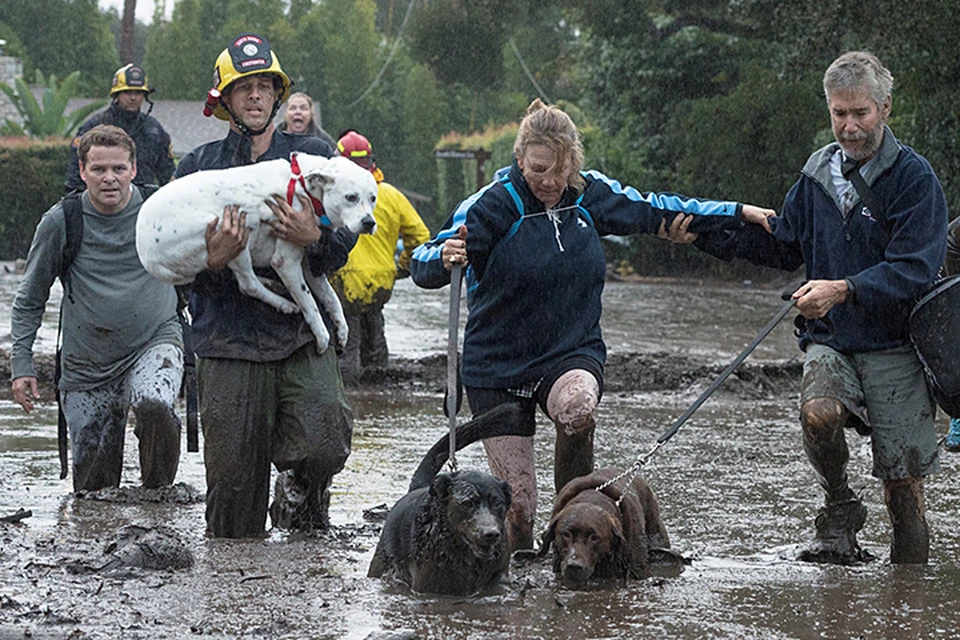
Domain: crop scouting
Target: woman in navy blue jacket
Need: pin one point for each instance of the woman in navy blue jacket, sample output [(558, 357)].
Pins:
[(534, 279)]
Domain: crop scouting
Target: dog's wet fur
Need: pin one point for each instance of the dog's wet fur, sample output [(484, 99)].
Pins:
[(447, 535), (447, 538), (594, 537)]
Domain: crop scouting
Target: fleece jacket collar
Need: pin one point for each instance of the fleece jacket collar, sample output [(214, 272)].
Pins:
[(817, 167)]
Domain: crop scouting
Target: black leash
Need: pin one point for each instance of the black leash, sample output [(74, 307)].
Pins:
[(669, 433)]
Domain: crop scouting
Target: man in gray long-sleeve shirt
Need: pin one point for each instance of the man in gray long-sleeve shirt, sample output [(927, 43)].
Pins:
[(122, 342)]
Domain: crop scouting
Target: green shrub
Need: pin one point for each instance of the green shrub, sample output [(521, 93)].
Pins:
[(31, 181)]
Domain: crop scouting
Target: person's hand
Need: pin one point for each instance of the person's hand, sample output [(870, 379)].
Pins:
[(296, 226), (455, 250), (757, 215), (816, 297), (677, 231), (229, 241), (25, 391)]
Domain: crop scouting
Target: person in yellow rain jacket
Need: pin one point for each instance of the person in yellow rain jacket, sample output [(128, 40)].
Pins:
[(365, 283)]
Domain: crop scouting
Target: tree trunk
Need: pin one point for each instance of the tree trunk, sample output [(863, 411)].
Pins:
[(126, 31)]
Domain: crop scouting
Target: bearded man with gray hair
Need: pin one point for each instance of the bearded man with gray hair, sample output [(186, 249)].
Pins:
[(868, 221)]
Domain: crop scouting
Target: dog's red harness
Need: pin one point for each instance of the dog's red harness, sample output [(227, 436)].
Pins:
[(296, 177)]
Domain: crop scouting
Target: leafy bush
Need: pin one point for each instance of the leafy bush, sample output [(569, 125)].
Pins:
[(47, 117), (31, 181)]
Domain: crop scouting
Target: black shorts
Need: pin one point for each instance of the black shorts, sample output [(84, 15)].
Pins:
[(482, 399)]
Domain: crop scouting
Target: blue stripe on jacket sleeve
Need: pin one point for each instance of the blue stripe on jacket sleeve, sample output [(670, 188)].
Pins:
[(668, 201), (431, 250)]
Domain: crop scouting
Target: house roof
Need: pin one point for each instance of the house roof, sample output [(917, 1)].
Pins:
[(183, 120)]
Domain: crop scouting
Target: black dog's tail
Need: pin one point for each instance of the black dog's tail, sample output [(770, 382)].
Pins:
[(505, 420)]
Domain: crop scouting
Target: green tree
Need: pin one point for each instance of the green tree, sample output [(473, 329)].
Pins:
[(341, 57), (730, 146), (175, 54), (65, 36), (47, 118), (462, 41)]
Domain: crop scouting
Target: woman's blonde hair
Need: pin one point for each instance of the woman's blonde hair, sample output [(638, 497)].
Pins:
[(550, 126)]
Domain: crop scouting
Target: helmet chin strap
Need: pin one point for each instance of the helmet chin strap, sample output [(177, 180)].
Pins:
[(247, 131)]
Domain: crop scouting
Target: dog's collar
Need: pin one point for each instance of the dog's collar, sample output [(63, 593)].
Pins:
[(295, 177)]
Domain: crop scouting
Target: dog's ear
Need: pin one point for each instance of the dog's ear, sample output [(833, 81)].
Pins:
[(440, 486), (507, 494), (617, 527), (317, 183), (546, 540)]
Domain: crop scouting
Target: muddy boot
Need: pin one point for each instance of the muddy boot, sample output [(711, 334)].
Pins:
[(573, 457), (300, 504), (910, 543), (843, 514), (158, 431), (836, 540)]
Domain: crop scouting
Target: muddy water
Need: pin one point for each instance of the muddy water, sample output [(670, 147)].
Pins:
[(735, 492)]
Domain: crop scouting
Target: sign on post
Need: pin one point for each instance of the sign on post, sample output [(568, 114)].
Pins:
[(480, 155)]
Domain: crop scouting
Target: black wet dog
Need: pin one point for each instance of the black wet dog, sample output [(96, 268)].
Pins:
[(449, 537)]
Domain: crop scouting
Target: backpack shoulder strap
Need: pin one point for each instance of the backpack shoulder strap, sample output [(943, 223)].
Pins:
[(73, 220), (147, 190)]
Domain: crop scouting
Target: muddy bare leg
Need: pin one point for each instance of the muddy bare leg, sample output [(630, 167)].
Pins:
[(843, 514), (910, 542), (572, 405), (511, 459)]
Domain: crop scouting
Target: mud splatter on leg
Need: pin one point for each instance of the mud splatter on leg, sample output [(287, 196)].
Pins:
[(154, 383), (572, 405)]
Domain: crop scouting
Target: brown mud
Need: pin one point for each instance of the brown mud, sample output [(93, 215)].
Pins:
[(110, 566), (735, 491)]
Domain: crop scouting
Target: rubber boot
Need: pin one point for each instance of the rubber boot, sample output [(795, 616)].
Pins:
[(158, 431), (910, 543), (573, 456), (300, 503), (843, 513), (952, 441)]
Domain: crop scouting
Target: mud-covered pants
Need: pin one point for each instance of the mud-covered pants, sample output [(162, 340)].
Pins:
[(96, 419), (366, 342), (291, 412)]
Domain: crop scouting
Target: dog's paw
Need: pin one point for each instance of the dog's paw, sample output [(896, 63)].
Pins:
[(322, 344), (287, 307)]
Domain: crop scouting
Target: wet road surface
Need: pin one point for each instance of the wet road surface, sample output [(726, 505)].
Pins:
[(735, 492)]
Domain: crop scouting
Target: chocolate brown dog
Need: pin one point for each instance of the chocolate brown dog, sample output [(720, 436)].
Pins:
[(594, 537)]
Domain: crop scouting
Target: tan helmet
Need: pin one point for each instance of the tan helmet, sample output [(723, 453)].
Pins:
[(130, 78), (248, 54)]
